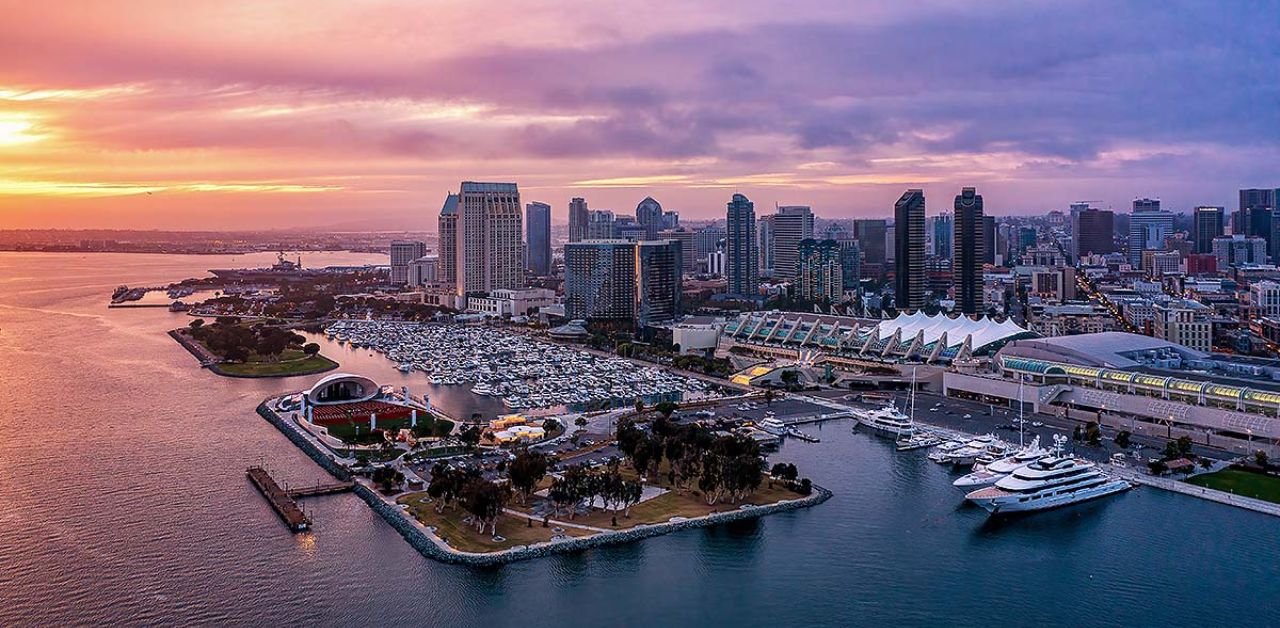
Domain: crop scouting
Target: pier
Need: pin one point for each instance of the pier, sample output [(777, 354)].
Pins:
[(1175, 486), (285, 501)]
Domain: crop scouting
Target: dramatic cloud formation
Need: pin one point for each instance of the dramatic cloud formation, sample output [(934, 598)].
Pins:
[(267, 114)]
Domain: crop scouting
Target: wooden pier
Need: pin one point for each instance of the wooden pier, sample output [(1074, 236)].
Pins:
[(280, 500)]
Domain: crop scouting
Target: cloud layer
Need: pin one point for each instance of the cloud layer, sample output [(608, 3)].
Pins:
[(285, 113)]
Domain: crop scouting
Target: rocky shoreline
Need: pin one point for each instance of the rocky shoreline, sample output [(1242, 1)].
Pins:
[(432, 547)]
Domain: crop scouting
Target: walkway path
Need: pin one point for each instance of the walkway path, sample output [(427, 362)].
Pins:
[(1222, 497), (563, 524)]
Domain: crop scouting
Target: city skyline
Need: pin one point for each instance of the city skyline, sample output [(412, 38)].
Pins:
[(378, 109)]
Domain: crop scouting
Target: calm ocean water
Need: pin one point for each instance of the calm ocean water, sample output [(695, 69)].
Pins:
[(123, 501)]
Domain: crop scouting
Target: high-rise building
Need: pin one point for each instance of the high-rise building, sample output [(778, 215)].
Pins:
[(578, 217), (971, 243), (600, 280), (688, 250), (765, 243), (599, 225), (707, 241), (941, 232), (990, 245), (819, 278), (448, 233), (1238, 250), (1092, 232), (1206, 225), (649, 214), (670, 219), (537, 222), (850, 264), (743, 265), (402, 253), (1148, 228), (791, 225), (870, 234), (908, 229), (489, 238), (626, 228), (659, 269)]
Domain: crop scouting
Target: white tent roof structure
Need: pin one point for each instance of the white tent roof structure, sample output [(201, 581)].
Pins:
[(983, 330)]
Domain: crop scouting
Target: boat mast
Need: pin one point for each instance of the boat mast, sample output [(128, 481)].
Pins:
[(1022, 421), (913, 394)]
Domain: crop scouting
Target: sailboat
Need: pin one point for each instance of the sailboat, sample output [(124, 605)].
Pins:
[(984, 475)]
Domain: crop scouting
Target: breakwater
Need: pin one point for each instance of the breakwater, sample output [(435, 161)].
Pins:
[(428, 545), (315, 453)]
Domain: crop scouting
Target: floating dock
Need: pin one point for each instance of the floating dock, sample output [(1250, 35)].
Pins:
[(283, 503)]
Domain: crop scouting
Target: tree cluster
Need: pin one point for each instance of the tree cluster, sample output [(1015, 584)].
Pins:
[(387, 478), (482, 499), (720, 466), (525, 471), (232, 341), (577, 484)]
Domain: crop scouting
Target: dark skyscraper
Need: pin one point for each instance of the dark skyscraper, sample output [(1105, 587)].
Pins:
[(537, 229), (600, 280), (988, 236), (579, 216), (942, 229), (659, 265), (1092, 232), (742, 265), (649, 214), (1206, 225), (908, 232), (870, 235), (970, 251), (850, 264)]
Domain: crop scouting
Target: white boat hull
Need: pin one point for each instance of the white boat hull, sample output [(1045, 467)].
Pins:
[(1016, 502)]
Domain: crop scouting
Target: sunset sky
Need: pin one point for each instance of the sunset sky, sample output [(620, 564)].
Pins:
[(213, 115)]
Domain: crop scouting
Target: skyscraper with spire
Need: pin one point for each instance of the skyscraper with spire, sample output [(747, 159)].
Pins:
[(970, 252), (908, 241)]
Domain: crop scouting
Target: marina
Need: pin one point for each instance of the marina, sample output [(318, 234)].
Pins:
[(519, 371)]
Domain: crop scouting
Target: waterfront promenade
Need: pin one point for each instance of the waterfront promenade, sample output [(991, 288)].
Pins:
[(1127, 473)]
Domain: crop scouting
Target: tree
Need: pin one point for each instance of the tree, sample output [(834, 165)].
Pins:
[(580, 422), (1078, 434), (666, 409), (526, 471), (311, 348), (388, 478), (769, 396), (470, 436), (485, 501), (791, 378), (1122, 439), (1158, 467), (1260, 457), (1184, 445), (639, 407), (550, 425), (1093, 433), (196, 324)]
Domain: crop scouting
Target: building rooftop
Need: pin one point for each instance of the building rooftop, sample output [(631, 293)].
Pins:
[(1111, 349), (477, 186)]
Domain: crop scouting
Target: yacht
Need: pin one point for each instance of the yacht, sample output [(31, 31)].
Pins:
[(944, 451), (891, 421), (968, 454), (773, 426), (920, 440), (888, 420), (999, 469), (1049, 482)]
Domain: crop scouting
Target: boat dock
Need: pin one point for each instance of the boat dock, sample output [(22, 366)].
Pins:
[(285, 501)]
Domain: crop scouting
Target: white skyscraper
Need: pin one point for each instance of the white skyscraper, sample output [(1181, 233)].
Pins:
[(489, 237)]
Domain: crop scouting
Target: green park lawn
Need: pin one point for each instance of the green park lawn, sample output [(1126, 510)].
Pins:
[(290, 363), (1241, 482)]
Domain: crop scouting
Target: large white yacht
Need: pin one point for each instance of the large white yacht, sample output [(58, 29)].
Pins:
[(991, 473), (887, 420), (987, 446), (1047, 483)]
